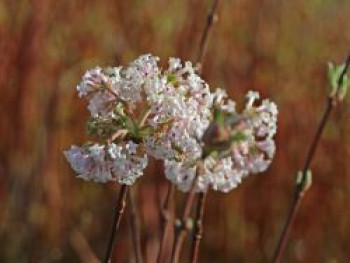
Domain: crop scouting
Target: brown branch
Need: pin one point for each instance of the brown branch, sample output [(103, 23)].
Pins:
[(119, 210), (135, 227), (198, 233), (300, 186), (167, 223), (211, 19), (185, 223)]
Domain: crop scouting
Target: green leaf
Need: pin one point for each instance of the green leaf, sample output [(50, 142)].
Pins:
[(334, 74)]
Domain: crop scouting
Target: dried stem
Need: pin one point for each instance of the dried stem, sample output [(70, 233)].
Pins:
[(197, 234), (167, 222), (211, 18), (299, 188), (135, 227), (119, 210), (184, 225)]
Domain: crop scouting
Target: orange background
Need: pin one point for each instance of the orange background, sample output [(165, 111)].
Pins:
[(279, 48)]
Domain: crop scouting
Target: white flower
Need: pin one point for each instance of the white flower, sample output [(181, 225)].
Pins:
[(249, 151), (89, 163), (219, 175), (141, 110), (252, 96), (268, 146), (219, 96), (97, 86), (102, 164), (181, 175), (126, 166), (115, 152), (131, 147), (100, 104), (174, 64), (92, 80)]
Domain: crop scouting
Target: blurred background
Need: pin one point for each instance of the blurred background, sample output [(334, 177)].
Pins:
[(279, 48)]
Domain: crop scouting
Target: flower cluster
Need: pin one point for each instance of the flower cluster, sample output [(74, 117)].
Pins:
[(142, 110), (238, 145), (163, 112), (181, 113), (103, 163)]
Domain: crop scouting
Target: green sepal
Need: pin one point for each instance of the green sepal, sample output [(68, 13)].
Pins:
[(344, 88), (238, 137), (171, 79), (219, 117), (145, 131)]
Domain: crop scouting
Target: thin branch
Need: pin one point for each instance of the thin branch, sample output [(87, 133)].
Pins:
[(119, 210), (180, 234), (167, 217), (299, 188), (198, 233), (211, 18), (185, 223), (135, 227)]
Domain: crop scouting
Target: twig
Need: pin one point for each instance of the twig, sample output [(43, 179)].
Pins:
[(167, 217), (211, 18), (197, 234), (185, 223), (180, 234), (299, 188), (116, 221), (135, 228)]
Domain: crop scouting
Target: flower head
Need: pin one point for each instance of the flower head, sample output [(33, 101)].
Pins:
[(141, 110), (245, 146), (141, 106), (101, 163)]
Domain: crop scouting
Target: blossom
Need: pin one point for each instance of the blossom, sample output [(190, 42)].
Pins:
[(247, 148), (220, 175), (97, 85), (125, 165), (181, 113), (103, 163), (222, 102), (90, 163), (141, 110), (164, 112)]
